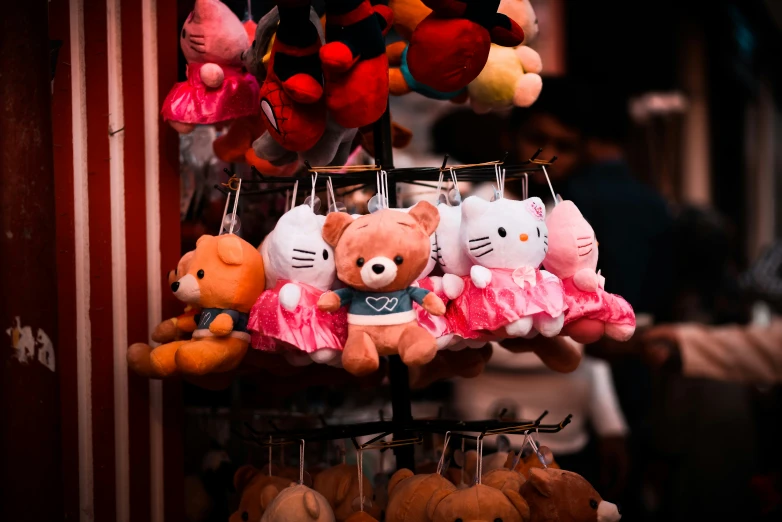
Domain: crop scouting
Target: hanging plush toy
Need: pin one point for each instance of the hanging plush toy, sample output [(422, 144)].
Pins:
[(224, 279), (409, 495), (339, 485), (478, 502), (378, 257), (303, 267), (217, 90), (511, 76), (555, 495), (572, 256), (449, 48), (506, 294), (178, 328), (297, 502), (503, 478), (250, 483)]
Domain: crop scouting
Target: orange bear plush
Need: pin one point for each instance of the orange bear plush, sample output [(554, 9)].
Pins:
[(251, 483), (409, 495), (378, 257), (554, 495), (224, 279), (479, 503)]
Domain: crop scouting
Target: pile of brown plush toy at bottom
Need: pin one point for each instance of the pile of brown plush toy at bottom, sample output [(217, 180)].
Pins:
[(530, 492)]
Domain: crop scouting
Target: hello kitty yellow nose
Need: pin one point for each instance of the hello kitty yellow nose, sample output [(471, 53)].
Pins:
[(524, 237)]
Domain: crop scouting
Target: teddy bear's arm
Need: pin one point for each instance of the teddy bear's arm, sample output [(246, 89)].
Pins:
[(212, 75), (433, 304), (222, 325), (290, 295), (331, 301), (530, 59)]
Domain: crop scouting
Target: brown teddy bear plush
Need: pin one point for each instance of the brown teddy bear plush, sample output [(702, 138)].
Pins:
[(409, 495), (555, 495), (378, 257), (224, 279), (479, 503), (503, 478), (250, 482), (339, 485), (296, 503)]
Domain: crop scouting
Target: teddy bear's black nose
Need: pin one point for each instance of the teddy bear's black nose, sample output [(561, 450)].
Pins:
[(378, 269), (175, 286)]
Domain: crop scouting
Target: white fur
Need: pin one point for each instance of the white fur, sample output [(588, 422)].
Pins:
[(297, 241), (608, 512), (189, 290), (374, 280), (483, 225), (451, 255)]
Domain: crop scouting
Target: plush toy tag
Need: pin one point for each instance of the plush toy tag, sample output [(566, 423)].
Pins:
[(525, 277)]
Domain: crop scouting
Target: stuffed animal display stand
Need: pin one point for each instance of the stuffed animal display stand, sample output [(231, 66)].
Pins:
[(285, 318), (217, 89), (506, 295), (572, 256), (378, 257), (224, 279)]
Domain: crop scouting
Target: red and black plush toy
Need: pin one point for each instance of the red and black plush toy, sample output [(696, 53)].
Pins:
[(348, 76), (449, 48)]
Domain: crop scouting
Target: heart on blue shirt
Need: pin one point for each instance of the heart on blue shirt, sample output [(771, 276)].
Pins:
[(379, 304)]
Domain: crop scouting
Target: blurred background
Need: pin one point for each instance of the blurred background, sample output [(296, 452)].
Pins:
[(664, 118)]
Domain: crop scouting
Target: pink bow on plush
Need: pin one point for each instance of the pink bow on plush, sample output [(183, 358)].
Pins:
[(525, 274)]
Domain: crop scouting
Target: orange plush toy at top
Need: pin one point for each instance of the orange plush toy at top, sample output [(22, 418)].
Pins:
[(225, 278)]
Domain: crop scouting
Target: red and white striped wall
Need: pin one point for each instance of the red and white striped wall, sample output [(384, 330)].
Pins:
[(117, 188)]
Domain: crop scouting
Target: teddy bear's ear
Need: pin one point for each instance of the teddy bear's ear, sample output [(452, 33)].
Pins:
[(203, 238), (335, 225), (437, 497), (268, 494), (398, 477), (229, 249), (427, 216), (311, 505), (244, 475), (541, 481), (518, 502)]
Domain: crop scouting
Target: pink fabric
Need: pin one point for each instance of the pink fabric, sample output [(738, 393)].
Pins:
[(600, 306), (502, 302), (193, 102), (306, 328), (437, 326)]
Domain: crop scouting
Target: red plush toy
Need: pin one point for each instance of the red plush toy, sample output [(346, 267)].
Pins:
[(354, 61), (292, 94), (449, 47)]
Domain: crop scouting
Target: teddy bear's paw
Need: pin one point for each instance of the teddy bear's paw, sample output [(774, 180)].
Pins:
[(360, 354), (138, 359), (549, 326), (519, 327), (417, 346)]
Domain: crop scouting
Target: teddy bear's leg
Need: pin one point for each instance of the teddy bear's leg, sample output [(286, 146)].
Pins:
[(416, 346), (548, 326), (210, 355), (162, 359), (360, 354)]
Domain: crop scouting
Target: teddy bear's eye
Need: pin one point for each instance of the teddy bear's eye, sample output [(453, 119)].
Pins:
[(325, 254), (360, 262), (501, 232), (200, 274), (398, 260), (593, 503)]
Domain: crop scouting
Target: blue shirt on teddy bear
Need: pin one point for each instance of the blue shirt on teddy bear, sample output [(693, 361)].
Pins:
[(381, 308)]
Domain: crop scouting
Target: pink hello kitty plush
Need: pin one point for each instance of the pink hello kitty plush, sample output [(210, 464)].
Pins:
[(506, 294), (217, 89), (436, 325), (300, 266), (572, 256)]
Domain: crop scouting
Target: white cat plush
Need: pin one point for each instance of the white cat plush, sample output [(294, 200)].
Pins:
[(286, 317), (506, 294)]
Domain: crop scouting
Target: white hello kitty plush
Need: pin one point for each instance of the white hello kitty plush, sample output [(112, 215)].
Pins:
[(506, 293), (435, 325), (300, 265)]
